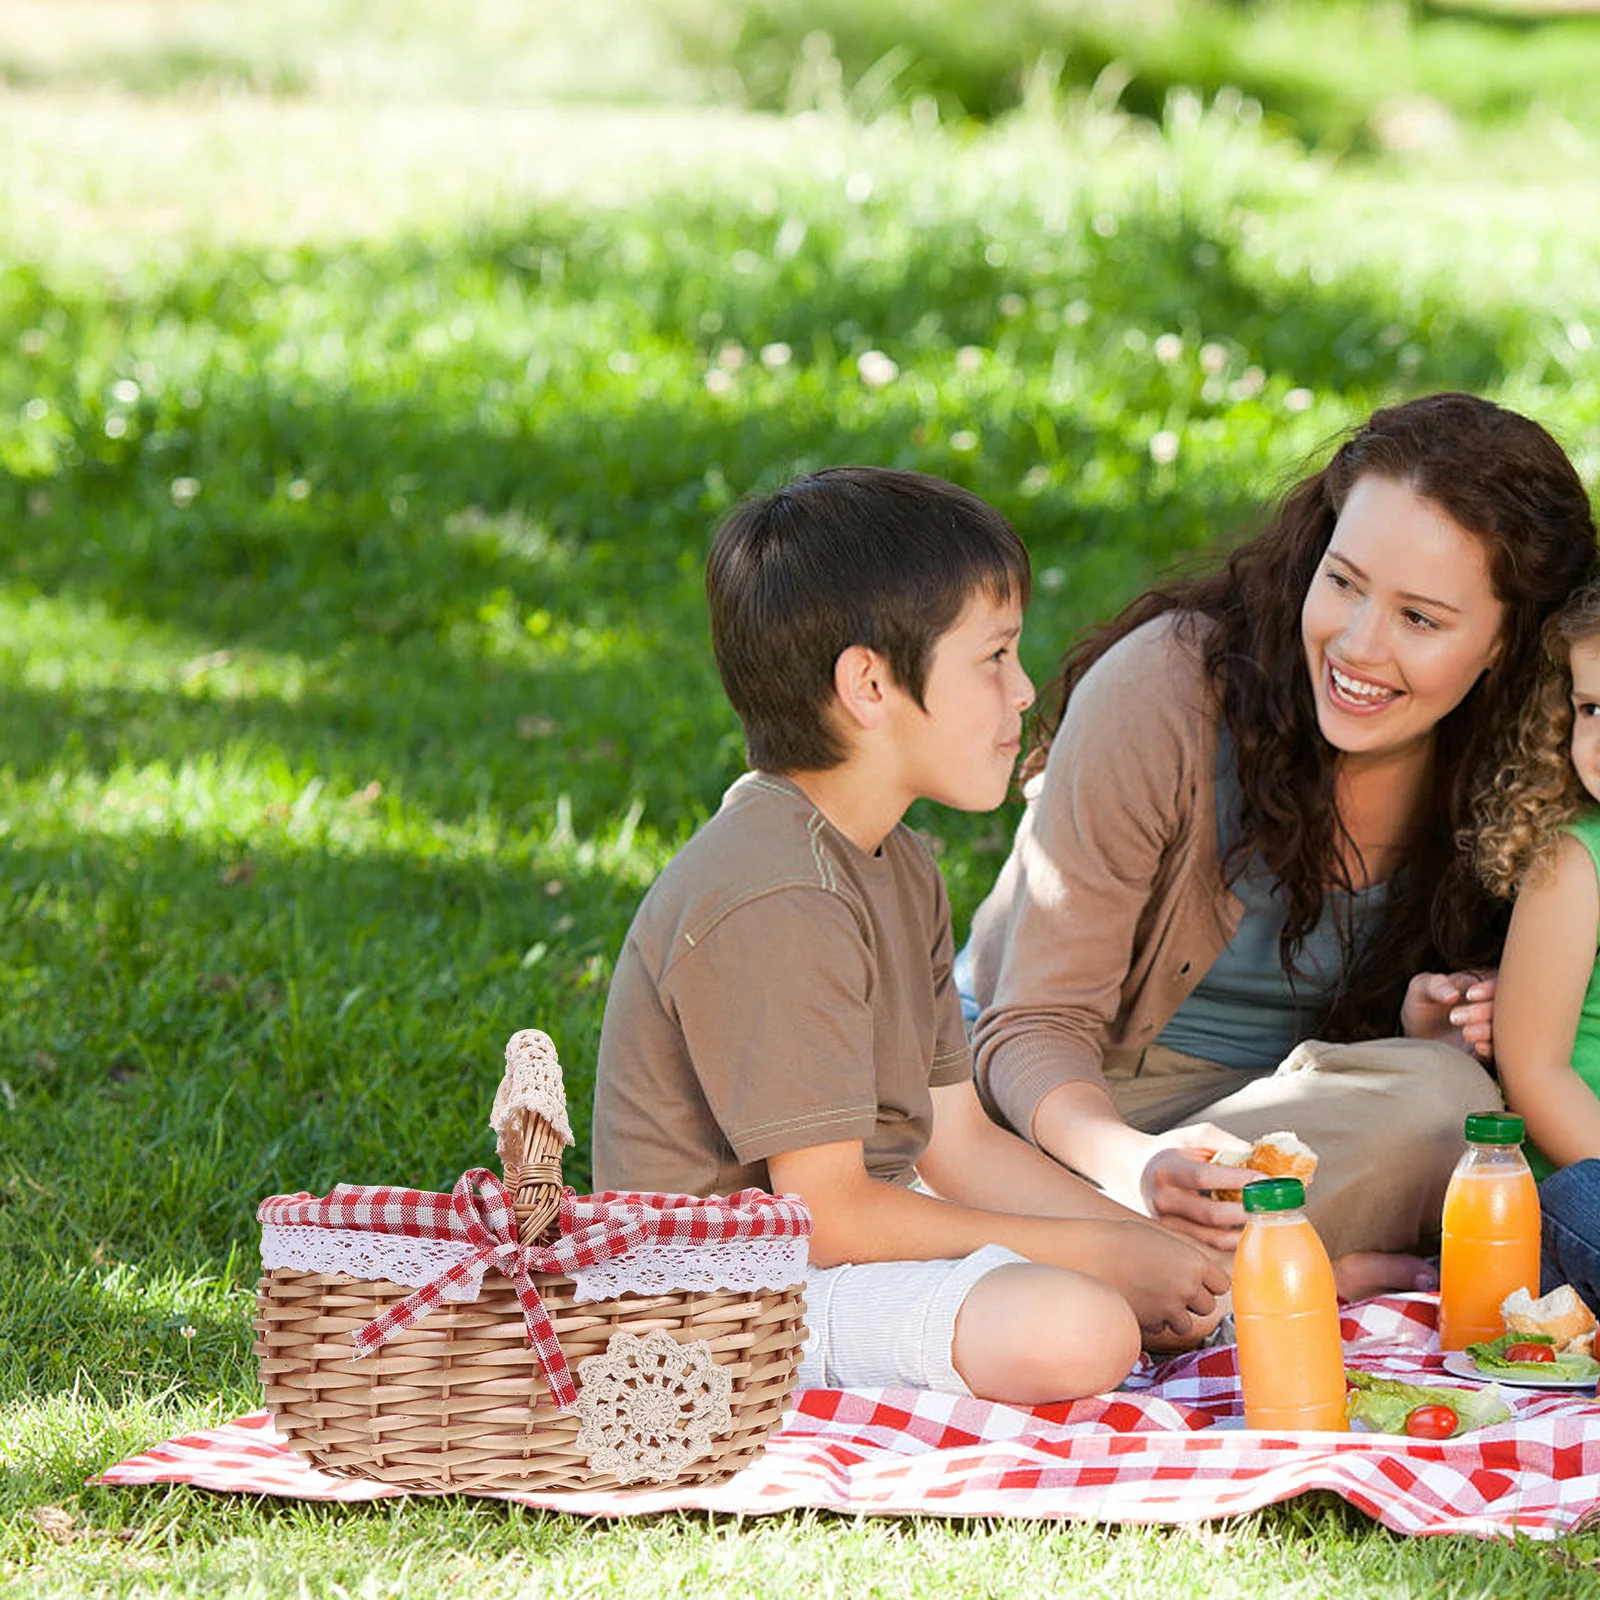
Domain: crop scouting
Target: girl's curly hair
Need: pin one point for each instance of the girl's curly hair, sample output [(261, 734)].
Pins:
[(1504, 479), (1536, 791)]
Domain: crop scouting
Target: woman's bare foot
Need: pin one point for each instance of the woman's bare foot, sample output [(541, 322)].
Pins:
[(1364, 1273)]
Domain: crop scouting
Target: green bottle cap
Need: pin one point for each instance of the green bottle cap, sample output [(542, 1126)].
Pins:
[(1274, 1194), (1494, 1127)]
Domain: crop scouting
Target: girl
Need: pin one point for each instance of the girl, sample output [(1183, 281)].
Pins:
[(1237, 892), (1540, 840)]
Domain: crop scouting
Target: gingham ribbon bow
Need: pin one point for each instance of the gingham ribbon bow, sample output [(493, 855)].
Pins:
[(594, 1228), (490, 1225)]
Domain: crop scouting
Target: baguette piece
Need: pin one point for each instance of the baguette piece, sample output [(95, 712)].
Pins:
[(1273, 1155), (1559, 1315)]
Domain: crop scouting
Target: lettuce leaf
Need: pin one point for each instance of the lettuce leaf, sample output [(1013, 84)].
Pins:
[(1490, 1357), (1383, 1404)]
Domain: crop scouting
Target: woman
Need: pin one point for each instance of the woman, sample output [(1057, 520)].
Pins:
[(1237, 892)]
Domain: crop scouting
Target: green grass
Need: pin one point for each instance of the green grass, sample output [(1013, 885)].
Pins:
[(1324, 72), (357, 455)]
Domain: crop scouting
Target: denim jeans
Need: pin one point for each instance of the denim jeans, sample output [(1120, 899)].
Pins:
[(1570, 1203)]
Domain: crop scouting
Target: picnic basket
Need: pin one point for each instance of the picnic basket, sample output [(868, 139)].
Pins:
[(517, 1337)]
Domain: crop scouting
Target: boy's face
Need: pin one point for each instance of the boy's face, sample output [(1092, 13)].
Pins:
[(960, 748), (1586, 714)]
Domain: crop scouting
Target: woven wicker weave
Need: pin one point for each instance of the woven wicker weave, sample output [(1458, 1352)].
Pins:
[(458, 1401)]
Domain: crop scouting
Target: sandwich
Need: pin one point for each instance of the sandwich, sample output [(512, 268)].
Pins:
[(1548, 1340), (1559, 1316)]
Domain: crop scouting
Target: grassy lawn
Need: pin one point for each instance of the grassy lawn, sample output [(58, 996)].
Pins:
[(368, 389)]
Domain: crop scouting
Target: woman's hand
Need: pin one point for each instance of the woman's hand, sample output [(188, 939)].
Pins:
[(1175, 1183), (1453, 1008)]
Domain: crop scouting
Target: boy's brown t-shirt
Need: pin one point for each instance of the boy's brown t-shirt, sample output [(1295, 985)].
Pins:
[(779, 988)]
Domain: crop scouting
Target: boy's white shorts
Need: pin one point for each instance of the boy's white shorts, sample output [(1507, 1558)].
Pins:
[(887, 1323)]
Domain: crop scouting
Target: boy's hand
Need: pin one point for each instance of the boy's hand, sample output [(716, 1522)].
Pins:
[(1173, 1284), (1177, 1182)]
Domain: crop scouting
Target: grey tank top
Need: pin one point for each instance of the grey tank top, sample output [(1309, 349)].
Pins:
[(1246, 1011)]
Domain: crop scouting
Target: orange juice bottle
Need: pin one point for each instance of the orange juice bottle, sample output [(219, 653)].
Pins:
[(1291, 1363), (1491, 1232)]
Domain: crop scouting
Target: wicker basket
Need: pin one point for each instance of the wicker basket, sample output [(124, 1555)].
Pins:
[(458, 1400)]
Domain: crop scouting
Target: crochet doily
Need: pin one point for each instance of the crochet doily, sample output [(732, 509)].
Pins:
[(650, 1405), (532, 1083)]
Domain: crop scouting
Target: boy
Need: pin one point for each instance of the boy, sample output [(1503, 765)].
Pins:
[(782, 1013)]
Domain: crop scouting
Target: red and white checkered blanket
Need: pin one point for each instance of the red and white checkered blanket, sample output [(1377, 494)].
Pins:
[(1168, 1447)]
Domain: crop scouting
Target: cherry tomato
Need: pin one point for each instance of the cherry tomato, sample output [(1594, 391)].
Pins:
[(1432, 1422), (1529, 1352)]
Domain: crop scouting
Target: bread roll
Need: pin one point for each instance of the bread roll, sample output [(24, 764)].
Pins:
[(1274, 1155)]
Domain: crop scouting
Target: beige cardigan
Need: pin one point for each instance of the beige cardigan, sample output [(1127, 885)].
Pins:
[(1111, 907)]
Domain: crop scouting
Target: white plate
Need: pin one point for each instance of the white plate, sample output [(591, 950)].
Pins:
[(1460, 1365)]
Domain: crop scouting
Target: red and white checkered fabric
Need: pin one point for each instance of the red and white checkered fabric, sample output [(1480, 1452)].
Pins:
[(1168, 1447), (666, 1218), (479, 1212)]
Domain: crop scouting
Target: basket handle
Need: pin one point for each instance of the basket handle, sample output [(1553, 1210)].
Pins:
[(530, 1124), (534, 1176)]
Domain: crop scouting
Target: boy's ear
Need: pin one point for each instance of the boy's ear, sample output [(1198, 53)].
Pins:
[(861, 681)]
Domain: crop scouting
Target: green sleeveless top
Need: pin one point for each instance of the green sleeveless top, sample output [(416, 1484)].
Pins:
[(1586, 1046)]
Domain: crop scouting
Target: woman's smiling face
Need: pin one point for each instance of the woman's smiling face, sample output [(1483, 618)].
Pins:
[(1400, 621)]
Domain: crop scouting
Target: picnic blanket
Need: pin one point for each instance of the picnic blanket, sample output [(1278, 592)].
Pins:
[(1168, 1447)]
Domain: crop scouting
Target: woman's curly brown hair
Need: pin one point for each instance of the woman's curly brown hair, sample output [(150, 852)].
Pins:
[(1501, 477), (1519, 814)]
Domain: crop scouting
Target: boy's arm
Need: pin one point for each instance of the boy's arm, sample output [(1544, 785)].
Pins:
[(1549, 954), (1171, 1283)]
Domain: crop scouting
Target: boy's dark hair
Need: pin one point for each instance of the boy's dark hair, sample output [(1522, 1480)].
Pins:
[(847, 556)]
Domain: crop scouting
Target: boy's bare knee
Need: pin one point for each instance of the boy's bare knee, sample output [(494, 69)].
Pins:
[(1029, 1335)]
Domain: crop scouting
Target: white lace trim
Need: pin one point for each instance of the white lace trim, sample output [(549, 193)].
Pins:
[(390, 1257), (742, 1265), (532, 1083)]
